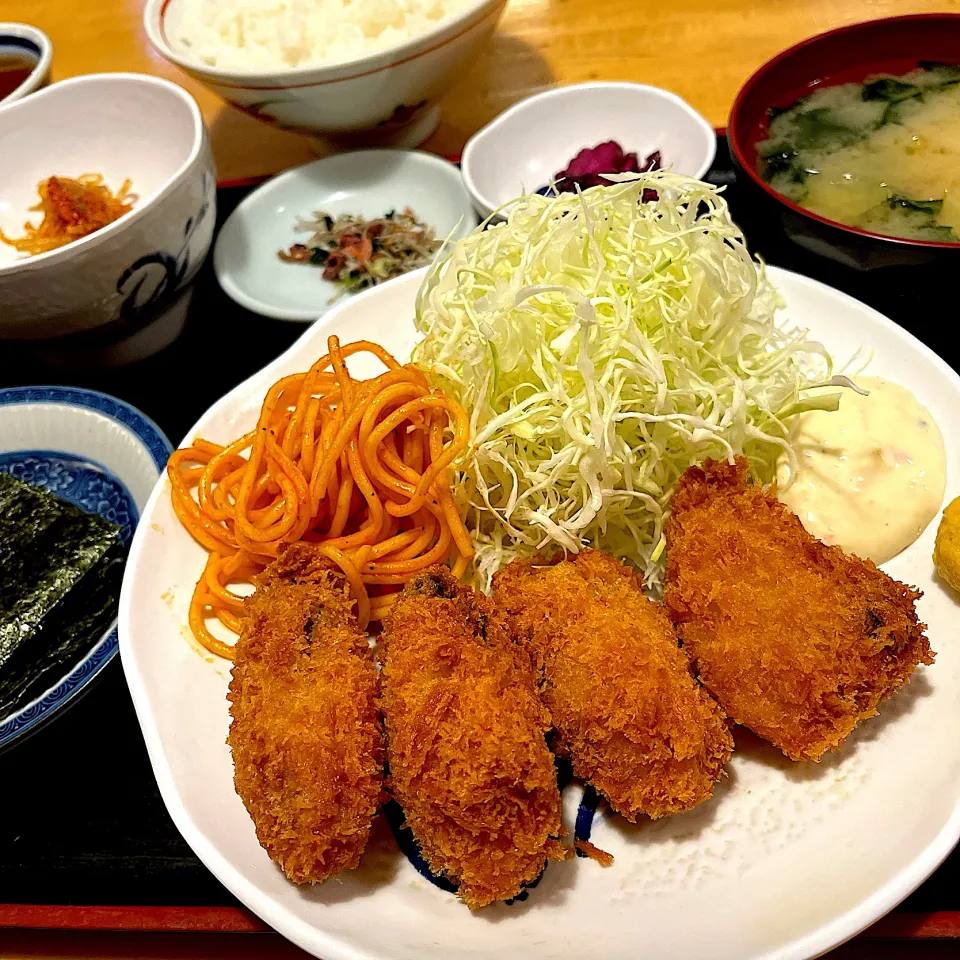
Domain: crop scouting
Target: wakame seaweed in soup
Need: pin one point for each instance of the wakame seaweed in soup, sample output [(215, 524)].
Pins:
[(883, 155), (60, 573)]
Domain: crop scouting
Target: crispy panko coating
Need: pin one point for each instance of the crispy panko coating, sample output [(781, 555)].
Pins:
[(466, 748), (795, 639), (946, 550), (306, 736), (625, 705)]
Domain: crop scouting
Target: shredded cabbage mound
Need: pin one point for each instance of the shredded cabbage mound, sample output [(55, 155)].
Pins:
[(601, 345)]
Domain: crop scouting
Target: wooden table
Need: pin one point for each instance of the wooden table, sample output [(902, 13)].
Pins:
[(700, 49)]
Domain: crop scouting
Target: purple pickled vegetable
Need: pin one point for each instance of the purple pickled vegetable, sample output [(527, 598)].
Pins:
[(586, 169)]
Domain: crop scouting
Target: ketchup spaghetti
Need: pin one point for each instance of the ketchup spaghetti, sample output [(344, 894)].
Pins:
[(359, 467)]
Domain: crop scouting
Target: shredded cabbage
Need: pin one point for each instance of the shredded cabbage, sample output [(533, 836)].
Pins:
[(602, 344)]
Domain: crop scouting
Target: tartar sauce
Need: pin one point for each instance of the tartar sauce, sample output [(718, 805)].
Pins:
[(871, 475)]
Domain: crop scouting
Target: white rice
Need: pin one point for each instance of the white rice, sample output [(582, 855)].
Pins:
[(272, 34)]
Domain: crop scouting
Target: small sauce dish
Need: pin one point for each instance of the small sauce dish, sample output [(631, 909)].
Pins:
[(25, 57), (524, 147), (368, 183)]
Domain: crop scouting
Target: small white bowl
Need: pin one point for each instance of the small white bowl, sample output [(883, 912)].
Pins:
[(519, 151), (120, 125), (35, 44), (369, 183), (387, 98), (98, 453)]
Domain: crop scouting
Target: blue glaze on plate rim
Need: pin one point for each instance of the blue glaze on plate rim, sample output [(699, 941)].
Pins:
[(410, 848), (139, 424), (159, 448), (23, 43)]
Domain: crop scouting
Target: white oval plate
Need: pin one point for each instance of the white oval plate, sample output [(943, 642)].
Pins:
[(369, 183), (785, 862)]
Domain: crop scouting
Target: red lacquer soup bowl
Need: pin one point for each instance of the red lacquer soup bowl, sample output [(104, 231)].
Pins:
[(850, 54)]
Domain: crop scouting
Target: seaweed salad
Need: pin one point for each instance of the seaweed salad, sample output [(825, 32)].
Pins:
[(60, 573)]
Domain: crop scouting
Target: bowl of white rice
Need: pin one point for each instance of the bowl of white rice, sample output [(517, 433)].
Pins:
[(350, 72)]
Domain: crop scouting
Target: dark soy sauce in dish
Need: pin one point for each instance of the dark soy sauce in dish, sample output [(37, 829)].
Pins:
[(15, 67)]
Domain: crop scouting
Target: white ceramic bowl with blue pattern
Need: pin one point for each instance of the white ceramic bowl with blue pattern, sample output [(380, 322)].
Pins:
[(121, 126), (98, 453)]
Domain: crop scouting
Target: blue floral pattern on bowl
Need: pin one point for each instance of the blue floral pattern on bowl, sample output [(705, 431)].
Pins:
[(83, 483), (158, 275), (92, 487), (586, 812)]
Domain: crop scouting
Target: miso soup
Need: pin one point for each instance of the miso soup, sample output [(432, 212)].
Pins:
[(883, 155)]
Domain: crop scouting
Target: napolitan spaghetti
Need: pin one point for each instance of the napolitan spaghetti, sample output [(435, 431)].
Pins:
[(359, 467)]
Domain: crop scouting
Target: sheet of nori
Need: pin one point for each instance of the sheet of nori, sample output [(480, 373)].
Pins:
[(60, 572)]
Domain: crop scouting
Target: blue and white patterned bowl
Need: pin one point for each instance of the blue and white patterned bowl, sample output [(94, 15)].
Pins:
[(96, 452)]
